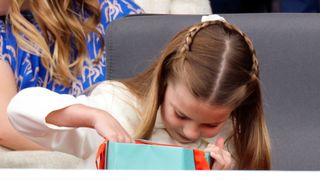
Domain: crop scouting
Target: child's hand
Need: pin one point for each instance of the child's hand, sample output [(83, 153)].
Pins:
[(222, 158), (78, 115), (108, 127)]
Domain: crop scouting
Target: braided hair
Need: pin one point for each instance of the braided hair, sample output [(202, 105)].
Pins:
[(193, 30)]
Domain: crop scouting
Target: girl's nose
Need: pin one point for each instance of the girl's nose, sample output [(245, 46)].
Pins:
[(191, 130)]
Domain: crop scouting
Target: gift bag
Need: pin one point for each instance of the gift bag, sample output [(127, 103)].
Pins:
[(145, 155)]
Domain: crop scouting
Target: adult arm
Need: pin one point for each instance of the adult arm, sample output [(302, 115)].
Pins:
[(9, 137)]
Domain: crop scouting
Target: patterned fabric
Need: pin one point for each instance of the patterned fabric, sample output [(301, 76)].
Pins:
[(29, 71)]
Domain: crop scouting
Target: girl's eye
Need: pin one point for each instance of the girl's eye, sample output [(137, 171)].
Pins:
[(211, 125), (180, 116)]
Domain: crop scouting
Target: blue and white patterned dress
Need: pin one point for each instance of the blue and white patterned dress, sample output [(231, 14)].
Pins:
[(29, 71)]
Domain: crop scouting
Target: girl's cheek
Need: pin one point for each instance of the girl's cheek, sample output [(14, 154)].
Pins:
[(209, 132), (174, 122), (170, 120), (170, 117)]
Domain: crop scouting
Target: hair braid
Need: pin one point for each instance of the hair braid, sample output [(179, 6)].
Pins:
[(255, 64), (189, 37), (186, 45)]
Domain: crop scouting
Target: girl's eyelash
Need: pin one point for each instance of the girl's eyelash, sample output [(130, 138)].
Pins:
[(212, 126), (181, 117)]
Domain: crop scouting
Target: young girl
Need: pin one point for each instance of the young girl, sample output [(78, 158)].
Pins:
[(53, 44), (202, 92)]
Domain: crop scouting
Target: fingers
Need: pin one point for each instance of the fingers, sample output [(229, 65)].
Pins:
[(125, 136), (119, 134), (113, 131), (223, 159), (122, 137), (220, 143)]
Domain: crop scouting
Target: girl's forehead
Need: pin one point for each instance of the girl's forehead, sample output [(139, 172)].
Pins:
[(184, 102)]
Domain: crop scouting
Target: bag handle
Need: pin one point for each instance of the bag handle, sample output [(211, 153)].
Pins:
[(200, 160), (199, 156), (100, 157)]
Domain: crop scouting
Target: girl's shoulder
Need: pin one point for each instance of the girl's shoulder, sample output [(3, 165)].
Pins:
[(117, 91), (109, 84), (116, 99), (114, 88)]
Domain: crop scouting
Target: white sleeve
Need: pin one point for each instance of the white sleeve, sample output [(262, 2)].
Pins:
[(27, 112), (28, 109)]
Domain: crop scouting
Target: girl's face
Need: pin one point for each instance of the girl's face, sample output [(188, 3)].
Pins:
[(187, 118)]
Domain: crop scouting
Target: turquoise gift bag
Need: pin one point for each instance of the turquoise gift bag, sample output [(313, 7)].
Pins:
[(145, 155)]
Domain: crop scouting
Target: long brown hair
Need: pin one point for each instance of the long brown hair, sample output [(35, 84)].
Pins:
[(62, 23), (218, 64)]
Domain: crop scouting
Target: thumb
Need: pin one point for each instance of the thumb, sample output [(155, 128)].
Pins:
[(220, 143)]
